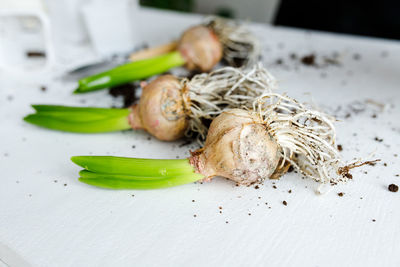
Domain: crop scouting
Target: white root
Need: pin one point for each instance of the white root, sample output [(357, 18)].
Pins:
[(306, 137), (238, 42), (208, 95)]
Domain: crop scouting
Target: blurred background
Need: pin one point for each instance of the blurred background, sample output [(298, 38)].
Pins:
[(40, 29), (360, 17)]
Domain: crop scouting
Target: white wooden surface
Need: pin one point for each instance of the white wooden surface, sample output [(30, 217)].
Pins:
[(67, 223)]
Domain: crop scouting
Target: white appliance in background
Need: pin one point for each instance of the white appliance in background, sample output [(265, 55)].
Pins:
[(110, 25), (67, 21), (25, 37), (54, 26)]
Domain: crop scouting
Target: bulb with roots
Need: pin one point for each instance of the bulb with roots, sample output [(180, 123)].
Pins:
[(170, 107), (237, 147), (245, 146)]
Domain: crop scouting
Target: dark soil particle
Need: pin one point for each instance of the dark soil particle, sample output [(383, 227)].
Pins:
[(309, 60), (133, 146), (55, 181), (194, 215), (127, 91), (393, 188), (186, 143), (373, 220), (385, 164), (290, 168), (35, 54), (193, 200), (356, 56), (340, 147), (340, 194), (133, 195), (149, 138), (284, 202), (65, 184), (43, 88), (274, 187), (249, 214), (374, 116), (256, 187), (378, 139), (290, 191)]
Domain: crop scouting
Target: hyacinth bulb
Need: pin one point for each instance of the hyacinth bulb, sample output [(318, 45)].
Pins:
[(161, 109), (201, 48), (237, 147)]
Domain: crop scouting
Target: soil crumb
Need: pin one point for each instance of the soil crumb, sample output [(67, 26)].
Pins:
[(393, 188), (127, 91)]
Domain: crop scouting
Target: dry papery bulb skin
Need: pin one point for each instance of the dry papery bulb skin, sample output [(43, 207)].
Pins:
[(240, 45), (160, 110), (201, 48), (237, 147)]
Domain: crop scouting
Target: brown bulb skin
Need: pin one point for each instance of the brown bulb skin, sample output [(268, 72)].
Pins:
[(200, 48), (161, 111), (238, 148)]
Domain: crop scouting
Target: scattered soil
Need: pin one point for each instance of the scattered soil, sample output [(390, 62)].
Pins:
[(186, 143), (35, 54), (340, 147), (127, 91), (340, 194), (284, 202), (43, 88), (356, 56), (309, 60), (393, 188)]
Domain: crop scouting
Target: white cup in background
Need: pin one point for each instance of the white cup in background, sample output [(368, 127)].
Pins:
[(110, 26)]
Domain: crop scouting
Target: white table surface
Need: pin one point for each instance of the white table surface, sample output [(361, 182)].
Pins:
[(67, 223)]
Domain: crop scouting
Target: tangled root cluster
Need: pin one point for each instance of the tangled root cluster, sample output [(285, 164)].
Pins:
[(238, 42), (208, 95), (306, 137)]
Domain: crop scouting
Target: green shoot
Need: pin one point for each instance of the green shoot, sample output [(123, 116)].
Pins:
[(79, 120), (130, 72), (132, 173)]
